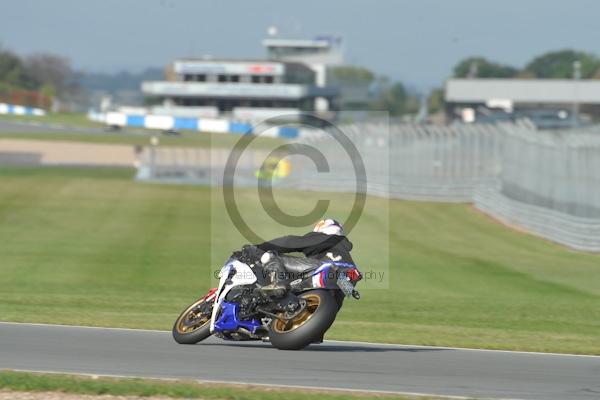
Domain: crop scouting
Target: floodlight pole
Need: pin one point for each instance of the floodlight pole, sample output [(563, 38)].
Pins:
[(576, 78), (153, 145)]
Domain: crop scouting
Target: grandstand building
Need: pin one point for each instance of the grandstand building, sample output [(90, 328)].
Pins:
[(292, 79), (480, 99)]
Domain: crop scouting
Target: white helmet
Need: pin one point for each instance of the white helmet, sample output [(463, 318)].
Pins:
[(329, 226)]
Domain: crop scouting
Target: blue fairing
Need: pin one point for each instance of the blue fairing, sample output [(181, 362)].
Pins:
[(229, 321)]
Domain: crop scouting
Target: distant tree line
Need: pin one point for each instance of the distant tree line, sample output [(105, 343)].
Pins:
[(386, 95), (551, 65), (47, 74), (123, 80)]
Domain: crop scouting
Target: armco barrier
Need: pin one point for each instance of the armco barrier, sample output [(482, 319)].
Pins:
[(20, 110), (575, 232), (166, 123)]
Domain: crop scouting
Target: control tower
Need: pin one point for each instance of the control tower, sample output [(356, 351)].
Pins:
[(318, 54)]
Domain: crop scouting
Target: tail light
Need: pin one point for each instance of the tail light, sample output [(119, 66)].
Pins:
[(353, 274)]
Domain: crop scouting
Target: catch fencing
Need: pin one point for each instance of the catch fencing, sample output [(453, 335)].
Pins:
[(415, 162), (549, 184), (545, 182)]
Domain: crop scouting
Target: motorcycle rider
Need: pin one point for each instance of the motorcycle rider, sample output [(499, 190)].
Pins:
[(327, 241)]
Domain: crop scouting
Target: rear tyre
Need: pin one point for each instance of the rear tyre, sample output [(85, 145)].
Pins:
[(307, 327), (191, 326)]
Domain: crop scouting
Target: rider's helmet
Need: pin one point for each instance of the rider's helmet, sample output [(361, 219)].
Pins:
[(329, 226)]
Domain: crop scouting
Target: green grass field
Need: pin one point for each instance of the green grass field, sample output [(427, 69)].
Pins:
[(31, 382), (73, 119), (184, 139), (93, 247)]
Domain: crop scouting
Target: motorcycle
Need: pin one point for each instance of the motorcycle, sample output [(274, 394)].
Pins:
[(238, 310)]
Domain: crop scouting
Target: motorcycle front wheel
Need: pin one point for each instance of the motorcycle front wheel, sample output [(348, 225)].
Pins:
[(192, 326), (309, 325)]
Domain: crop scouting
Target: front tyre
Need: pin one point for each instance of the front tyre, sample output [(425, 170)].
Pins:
[(309, 325), (193, 325)]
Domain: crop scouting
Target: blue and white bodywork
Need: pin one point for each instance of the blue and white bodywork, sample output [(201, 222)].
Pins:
[(225, 314)]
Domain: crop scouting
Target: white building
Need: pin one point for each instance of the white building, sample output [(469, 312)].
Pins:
[(293, 79), (319, 54), (469, 97)]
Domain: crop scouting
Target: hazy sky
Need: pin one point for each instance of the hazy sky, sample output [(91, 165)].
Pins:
[(417, 41)]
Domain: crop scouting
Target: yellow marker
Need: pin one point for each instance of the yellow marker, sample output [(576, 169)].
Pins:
[(274, 167)]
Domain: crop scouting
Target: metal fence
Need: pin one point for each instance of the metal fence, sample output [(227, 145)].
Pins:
[(545, 182), (549, 184), (555, 170), (416, 162)]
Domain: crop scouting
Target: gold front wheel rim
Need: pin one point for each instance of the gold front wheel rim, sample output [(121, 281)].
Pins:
[(183, 329), (313, 302)]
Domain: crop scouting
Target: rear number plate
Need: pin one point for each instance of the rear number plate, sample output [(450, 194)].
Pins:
[(345, 285)]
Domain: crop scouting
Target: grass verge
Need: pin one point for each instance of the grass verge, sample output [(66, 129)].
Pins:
[(184, 139), (73, 119), (35, 382), (92, 247)]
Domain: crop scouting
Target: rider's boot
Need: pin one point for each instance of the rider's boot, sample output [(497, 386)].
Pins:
[(274, 289), (275, 272)]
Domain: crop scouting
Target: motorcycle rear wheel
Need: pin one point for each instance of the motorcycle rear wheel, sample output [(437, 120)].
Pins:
[(189, 328), (309, 325)]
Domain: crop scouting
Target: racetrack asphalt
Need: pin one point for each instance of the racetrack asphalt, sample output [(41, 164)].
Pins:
[(341, 365)]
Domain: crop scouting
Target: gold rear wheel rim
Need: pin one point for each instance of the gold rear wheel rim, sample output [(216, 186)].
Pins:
[(185, 316), (313, 302)]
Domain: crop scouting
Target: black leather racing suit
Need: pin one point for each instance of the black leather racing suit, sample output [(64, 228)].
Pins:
[(315, 245)]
